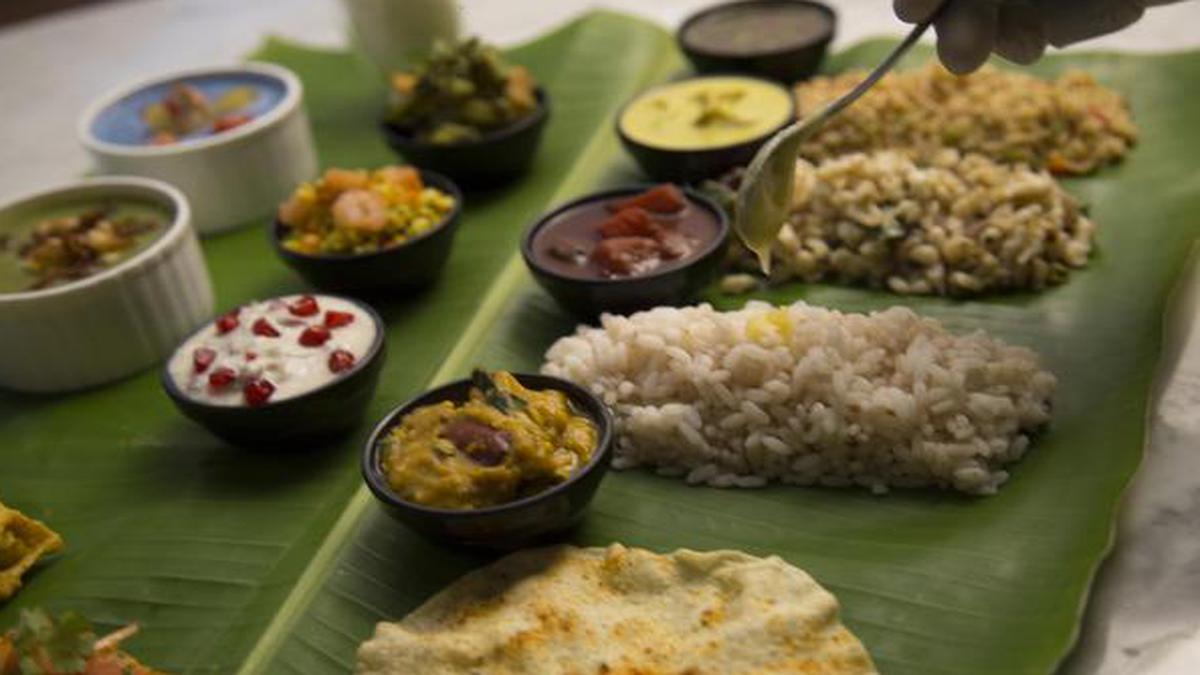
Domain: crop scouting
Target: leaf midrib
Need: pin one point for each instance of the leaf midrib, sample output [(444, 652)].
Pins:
[(583, 174)]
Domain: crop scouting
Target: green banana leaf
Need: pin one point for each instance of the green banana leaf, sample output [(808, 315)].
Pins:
[(237, 561)]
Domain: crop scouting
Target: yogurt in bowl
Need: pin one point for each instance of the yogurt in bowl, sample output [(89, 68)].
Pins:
[(273, 350), (279, 371)]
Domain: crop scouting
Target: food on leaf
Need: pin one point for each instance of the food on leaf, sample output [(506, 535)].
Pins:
[(23, 542), (185, 111), (460, 93), (650, 232), (566, 610), (347, 212), (810, 396), (271, 351), (66, 645), (1069, 125), (958, 225), (504, 443), (75, 243)]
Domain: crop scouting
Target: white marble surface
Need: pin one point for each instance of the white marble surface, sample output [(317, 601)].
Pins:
[(1145, 612)]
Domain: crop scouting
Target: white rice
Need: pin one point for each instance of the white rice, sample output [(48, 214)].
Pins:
[(809, 396)]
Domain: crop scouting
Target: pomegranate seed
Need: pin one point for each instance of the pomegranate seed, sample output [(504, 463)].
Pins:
[(221, 378), (336, 319), (257, 392), (227, 323), (314, 336), (340, 360), (250, 356), (202, 358), (264, 328), (305, 306)]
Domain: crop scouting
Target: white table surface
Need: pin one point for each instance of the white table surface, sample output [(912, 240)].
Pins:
[(1144, 615)]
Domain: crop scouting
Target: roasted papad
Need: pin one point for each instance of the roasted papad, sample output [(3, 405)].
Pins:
[(617, 611)]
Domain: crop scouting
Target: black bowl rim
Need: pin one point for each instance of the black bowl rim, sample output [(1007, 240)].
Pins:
[(373, 353), (723, 233), (756, 140), (537, 118), (378, 485), (824, 38), (442, 183)]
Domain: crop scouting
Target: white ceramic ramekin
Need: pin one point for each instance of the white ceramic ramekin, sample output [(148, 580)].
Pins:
[(232, 178), (113, 323)]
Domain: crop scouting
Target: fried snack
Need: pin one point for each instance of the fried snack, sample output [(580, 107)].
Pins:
[(23, 541)]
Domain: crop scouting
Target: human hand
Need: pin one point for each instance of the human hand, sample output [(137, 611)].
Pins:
[(968, 31)]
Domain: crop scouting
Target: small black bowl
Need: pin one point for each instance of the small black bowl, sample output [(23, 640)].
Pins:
[(310, 419), (787, 64), (497, 157), (588, 298), (510, 525), (692, 166), (412, 264)]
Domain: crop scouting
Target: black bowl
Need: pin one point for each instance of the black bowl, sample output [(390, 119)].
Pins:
[(497, 157), (588, 298), (413, 264), (310, 419), (510, 525), (692, 166), (788, 64)]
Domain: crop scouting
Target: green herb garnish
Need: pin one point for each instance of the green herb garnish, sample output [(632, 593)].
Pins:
[(63, 645), (493, 395)]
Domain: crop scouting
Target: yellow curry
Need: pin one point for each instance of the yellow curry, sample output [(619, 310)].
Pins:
[(504, 443), (706, 112)]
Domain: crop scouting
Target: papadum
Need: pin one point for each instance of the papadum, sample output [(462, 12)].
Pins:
[(621, 611)]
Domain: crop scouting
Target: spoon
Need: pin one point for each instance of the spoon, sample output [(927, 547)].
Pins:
[(765, 196)]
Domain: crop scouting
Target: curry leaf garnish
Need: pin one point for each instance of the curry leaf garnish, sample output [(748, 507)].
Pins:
[(495, 396), (63, 646)]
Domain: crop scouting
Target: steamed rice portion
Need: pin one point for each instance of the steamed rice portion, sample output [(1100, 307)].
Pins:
[(1069, 125), (809, 396), (951, 225)]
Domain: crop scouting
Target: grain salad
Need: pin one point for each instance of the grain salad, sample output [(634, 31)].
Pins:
[(955, 225), (809, 396), (1069, 125)]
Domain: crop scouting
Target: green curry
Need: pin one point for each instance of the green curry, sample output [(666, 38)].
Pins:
[(504, 443), (73, 241)]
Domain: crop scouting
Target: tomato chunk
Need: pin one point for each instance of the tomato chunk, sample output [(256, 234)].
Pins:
[(629, 222), (623, 256), (665, 198)]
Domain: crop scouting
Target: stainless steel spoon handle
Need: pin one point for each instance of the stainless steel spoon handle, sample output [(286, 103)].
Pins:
[(765, 196), (834, 107)]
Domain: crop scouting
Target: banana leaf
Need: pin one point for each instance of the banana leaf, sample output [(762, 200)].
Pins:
[(237, 561)]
